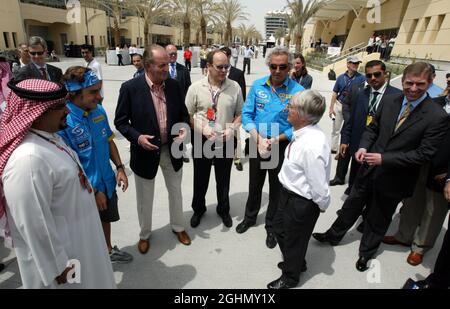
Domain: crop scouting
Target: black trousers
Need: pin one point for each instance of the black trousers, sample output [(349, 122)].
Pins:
[(293, 226), (256, 184), (188, 64), (379, 208), (247, 62), (120, 60), (342, 167), (440, 278), (202, 173)]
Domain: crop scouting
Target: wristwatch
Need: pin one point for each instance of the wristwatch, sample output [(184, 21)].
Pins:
[(121, 166)]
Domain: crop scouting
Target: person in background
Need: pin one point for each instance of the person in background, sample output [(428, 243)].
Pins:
[(203, 55), (248, 55), (5, 77), (234, 55), (187, 58), (300, 72), (341, 90), (138, 63), (434, 91), (87, 51), (38, 68), (119, 55)]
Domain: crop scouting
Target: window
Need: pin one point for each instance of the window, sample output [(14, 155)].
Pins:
[(92, 40), (6, 38), (435, 32), (14, 35), (86, 39), (411, 31)]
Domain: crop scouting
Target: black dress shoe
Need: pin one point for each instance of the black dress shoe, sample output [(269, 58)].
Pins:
[(304, 267), (239, 166), (271, 241), (324, 237), (186, 160), (2, 266), (347, 191), (195, 220), (227, 221), (243, 227), (281, 284), (361, 264), (336, 182)]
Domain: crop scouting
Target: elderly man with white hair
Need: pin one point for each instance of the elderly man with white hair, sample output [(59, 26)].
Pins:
[(305, 192)]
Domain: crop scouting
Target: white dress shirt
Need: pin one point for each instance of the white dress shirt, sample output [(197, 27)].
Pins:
[(307, 166)]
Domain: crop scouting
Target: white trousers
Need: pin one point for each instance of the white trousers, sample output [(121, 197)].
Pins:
[(337, 127), (145, 191)]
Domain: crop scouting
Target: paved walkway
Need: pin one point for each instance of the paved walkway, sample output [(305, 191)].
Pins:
[(219, 258)]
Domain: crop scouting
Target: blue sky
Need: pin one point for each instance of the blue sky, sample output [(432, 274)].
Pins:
[(256, 10)]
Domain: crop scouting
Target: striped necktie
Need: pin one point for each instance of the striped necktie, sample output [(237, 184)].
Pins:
[(44, 74), (173, 71), (404, 116)]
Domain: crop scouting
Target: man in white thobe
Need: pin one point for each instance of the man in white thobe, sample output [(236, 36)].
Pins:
[(50, 205)]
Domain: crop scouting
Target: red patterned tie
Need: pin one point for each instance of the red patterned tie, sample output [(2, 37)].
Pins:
[(44, 74)]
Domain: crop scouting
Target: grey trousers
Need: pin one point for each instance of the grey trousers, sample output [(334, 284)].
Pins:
[(422, 216)]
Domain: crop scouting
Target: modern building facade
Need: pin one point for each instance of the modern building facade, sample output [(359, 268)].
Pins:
[(421, 28), (275, 20), (59, 25)]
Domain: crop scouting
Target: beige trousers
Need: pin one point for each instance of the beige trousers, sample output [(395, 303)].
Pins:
[(337, 127), (145, 191)]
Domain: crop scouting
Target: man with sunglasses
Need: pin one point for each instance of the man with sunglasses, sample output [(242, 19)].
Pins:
[(24, 58), (341, 90), (359, 110), (38, 68), (214, 104), (265, 117)]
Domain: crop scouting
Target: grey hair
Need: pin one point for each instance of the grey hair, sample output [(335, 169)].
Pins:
[(37, 40), (280, 51), (149, 57), (309, 104)]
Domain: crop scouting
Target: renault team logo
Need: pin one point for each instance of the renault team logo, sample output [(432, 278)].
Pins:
[(262, 94), (73, 11)]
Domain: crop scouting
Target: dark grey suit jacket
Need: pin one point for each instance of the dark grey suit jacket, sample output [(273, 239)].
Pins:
[(30, 71), (184, 78), (406, 150), (239, 77)]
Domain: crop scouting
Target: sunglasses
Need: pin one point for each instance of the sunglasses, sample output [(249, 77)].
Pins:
[(36, 53), (376, 75), (282, 67), (173, 54), (225, 67)]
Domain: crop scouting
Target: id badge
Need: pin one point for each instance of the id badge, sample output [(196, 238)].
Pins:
[(211, 114), (369, 120)]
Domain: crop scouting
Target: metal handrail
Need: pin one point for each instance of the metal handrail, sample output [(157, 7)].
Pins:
[(349, 51)]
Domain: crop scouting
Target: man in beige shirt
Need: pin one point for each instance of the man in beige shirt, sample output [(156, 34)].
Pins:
[(215, 105)]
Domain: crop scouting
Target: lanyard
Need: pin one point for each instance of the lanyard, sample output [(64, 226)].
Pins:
[(81, 175), (215, 97)]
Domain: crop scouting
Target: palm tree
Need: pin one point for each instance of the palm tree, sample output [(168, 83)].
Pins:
[(248, 34), (302, 12), (279, 34), (206, 11), (150, 11), (183, 14), (292, 23), (230, 11)]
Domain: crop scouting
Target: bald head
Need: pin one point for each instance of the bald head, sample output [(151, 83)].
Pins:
[(172, 52)]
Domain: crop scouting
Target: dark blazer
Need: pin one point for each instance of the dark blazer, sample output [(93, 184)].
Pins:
[(406, 150), (183, 77), (30, 71), (306, 81), (355, 124), (239, 77), (440, 163), (135, 115)]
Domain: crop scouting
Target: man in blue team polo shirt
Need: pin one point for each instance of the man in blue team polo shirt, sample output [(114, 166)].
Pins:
[(264, 116), (89, 134)]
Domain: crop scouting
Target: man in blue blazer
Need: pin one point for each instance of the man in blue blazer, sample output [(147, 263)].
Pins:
[(149, 107)]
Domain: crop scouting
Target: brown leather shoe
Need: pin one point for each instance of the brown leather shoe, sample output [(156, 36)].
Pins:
[(414, 258), (391, 240), (143, 246), (183, 237)]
